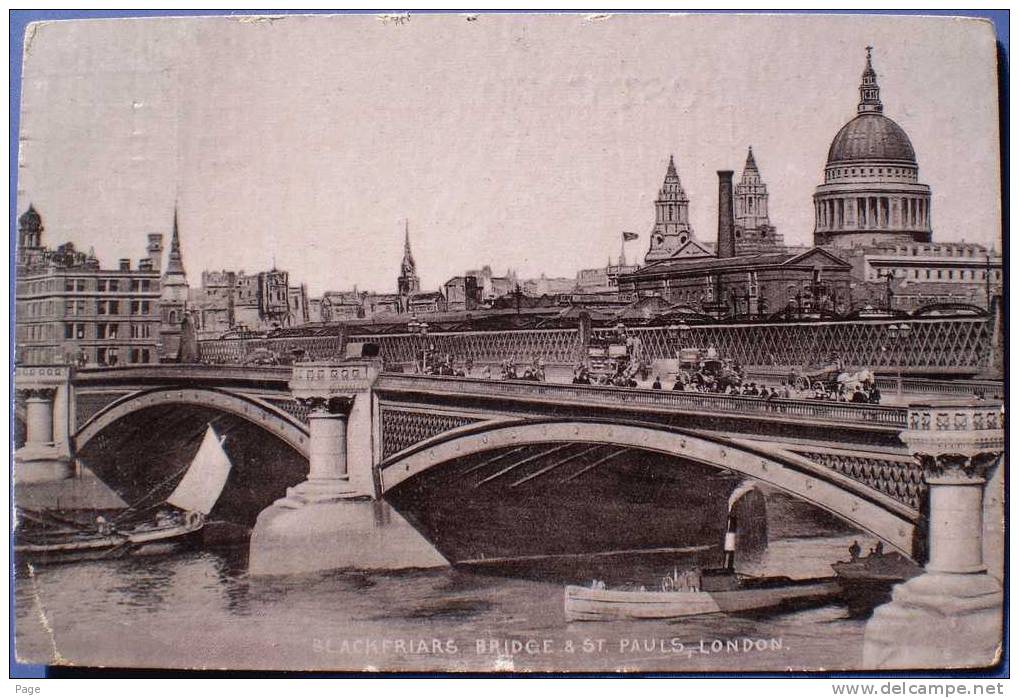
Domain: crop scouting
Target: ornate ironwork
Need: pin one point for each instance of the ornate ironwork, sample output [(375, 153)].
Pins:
[(552, 346), (291, 407), (961, 344), (403, 428), (88, 404), (900, 478), (283, 349)]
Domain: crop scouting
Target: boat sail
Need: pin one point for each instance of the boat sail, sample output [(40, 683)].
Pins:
[(202, 484), (70, 541)]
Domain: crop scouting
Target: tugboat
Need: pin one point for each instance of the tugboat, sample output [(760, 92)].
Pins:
[(694, 593), (49, 537), (866, 582)]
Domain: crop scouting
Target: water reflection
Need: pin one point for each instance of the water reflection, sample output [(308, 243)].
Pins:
[(201, 609)]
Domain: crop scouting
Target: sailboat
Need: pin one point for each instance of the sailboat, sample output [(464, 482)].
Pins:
[(49, 538)]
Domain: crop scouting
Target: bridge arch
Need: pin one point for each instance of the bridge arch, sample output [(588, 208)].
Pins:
[(870, 510), (270, 418)]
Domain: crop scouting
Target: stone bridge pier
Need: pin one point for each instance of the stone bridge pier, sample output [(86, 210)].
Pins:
[(44, 401), (951, 615), (336, 519)]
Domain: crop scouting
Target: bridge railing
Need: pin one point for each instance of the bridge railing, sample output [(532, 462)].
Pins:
[(949, 345), (182, 373), (558, 346), (825, 411), (904, 385), (239, 351)]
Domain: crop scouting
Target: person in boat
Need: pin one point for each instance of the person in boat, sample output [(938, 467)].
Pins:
[(854, 551), (104, 527), (878, 550)]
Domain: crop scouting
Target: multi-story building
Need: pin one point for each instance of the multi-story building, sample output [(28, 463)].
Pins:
[(907, 276), (259, 302), (266, 300), (68, 309), (337, 306), (212, 305), (463, 293), (493, 286)]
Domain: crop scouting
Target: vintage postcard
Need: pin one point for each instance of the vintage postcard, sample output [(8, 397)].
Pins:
[(509, 343)]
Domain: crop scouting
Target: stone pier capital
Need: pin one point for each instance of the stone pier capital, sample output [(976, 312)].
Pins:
[(36, 393), (958, 444)]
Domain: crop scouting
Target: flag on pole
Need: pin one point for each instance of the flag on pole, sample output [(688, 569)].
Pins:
[(627, 236)]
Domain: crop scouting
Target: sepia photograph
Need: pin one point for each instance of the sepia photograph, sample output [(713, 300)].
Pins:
[(509, 343)]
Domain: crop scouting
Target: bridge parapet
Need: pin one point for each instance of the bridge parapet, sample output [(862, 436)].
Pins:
[(677, 401), (958, 444)]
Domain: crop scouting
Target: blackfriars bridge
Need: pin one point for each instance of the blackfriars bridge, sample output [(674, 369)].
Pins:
[(349, 452)]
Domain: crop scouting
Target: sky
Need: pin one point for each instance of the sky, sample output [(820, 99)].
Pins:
[(521, 141)]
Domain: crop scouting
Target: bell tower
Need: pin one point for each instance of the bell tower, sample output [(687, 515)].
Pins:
[(672, 225), (754, 232)]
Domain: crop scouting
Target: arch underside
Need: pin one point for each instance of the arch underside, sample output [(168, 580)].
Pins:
[(141, 444), (851, 501)]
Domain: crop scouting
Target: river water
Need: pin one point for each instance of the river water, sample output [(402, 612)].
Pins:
[(200, 609)]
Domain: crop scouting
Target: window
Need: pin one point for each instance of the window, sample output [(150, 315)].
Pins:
[(101, 285), (114, 285), (68, 285), (140, 331), (106, 330), (74, 330), (108, 307)]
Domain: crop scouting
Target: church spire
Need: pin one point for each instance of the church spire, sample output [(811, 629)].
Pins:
[(751, 163), (175, 263), (870, 93), (408, 258), (407, 283)]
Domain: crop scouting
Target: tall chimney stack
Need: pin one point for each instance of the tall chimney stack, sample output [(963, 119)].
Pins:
[(726, 247), (155, 250)]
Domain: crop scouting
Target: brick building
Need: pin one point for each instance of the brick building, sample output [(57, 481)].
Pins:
[(68, 309)]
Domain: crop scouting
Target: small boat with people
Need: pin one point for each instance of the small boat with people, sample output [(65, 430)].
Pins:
[(699, 592), (866, 581), (46, 537)]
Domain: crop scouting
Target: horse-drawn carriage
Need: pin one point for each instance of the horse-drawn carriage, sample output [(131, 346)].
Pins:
[(705, 370), (615, 360), (830, 378)]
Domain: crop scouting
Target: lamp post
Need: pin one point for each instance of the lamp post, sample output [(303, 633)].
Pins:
[(419, 329), (899, 335)]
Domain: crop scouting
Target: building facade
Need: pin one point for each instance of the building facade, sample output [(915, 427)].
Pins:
[(69, 310), (727, 284), (463, 293), (259, 302), (909, 276), (871, 192)]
